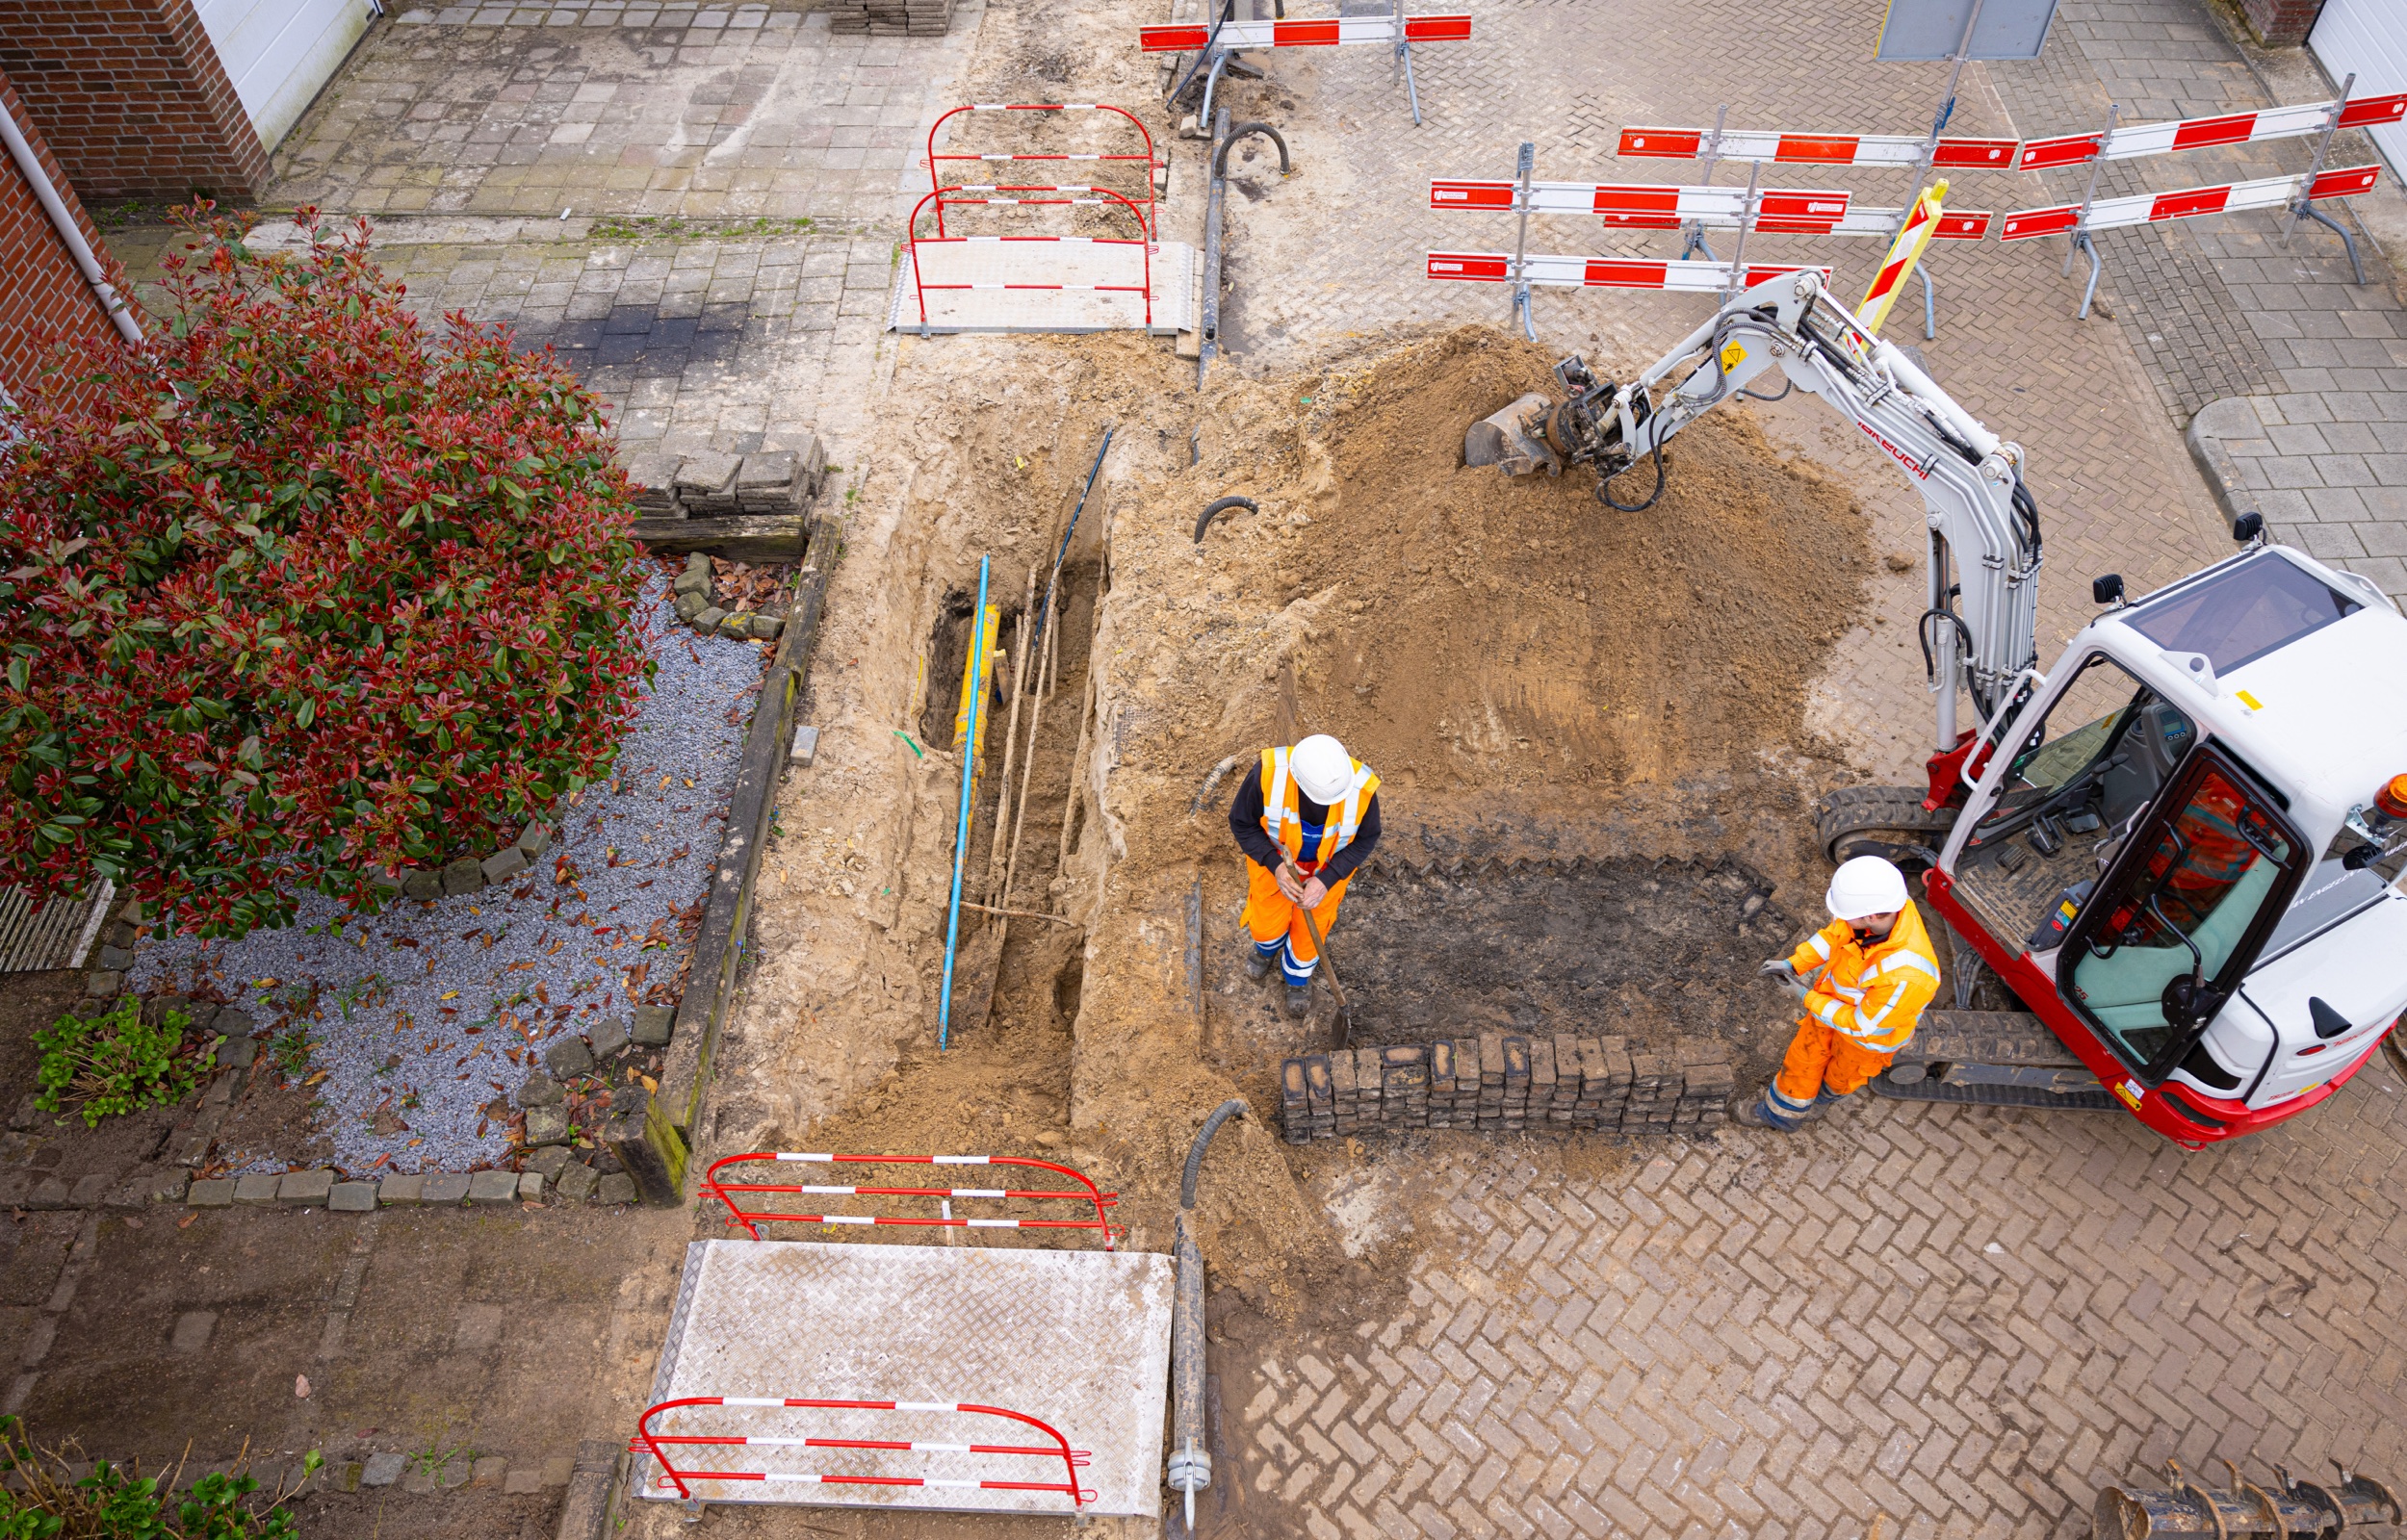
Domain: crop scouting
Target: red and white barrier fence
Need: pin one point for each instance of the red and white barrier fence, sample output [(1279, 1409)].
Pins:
[(1554, 271), (1771, 148), (752, 1219), (1323, 32), (1145, 157), (1646, 206), (2157, 208), (682, 1479), (944, 262), (2296, 120)]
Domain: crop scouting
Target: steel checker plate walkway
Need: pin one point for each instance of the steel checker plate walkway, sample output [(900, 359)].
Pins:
[(1080, 1339), (1067, 309)]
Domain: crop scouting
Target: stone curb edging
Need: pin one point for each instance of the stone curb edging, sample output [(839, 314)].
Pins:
[(2230, 418), (663, 1124)]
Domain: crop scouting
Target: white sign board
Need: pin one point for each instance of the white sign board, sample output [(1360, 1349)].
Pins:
[(1931, 28)]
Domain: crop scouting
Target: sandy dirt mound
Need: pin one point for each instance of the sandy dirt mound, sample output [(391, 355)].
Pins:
[(1518, 631)]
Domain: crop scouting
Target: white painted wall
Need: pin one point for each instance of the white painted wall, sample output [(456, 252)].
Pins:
[(2368, 37), (280, 53)]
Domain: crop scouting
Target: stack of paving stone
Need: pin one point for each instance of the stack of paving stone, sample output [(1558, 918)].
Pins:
[(1706, 1087), (891, 18), (705, 484), (1507, 1083), (1654, 1093), (778, 482), (655, 477)]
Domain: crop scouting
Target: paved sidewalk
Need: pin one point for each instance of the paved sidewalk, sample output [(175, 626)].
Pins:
[(2223, 307)]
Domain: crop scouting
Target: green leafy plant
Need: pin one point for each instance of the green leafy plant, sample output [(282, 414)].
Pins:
[(43, 1501), (303, 594), (290, 1054), (115, 1063)]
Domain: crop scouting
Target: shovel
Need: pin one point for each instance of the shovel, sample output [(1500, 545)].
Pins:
[(1342, 1027)]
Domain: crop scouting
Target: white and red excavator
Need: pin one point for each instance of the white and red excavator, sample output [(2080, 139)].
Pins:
[(2177, 849)]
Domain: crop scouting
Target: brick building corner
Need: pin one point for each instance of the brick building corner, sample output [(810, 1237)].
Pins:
[(46, 296), (132, 98)]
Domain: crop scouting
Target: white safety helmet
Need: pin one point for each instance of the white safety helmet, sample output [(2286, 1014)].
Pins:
[(1322, 768), (1866, 885)]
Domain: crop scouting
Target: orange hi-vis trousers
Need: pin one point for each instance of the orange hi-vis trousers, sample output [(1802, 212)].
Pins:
[(1822, 1056), (1276, 921)]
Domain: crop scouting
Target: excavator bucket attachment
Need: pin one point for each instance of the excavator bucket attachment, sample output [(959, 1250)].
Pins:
[(1514, 438)]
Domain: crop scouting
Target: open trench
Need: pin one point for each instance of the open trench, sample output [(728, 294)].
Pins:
[(1596, 777)]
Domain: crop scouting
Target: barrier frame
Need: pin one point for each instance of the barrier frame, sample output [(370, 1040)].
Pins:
[(648, 1442), (921, 286), (1151, 159), (750, 1220)]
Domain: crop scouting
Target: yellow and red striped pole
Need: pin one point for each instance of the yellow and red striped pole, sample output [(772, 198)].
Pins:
[(1921, 223)]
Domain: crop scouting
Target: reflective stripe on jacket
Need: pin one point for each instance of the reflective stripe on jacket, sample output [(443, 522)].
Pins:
[(1876, 994), (1283, 818)]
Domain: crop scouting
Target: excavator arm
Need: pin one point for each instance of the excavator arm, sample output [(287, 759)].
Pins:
[(1977, 628)]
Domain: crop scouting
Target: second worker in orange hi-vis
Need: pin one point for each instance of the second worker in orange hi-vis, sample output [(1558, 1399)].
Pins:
[(1305, 822), (1864, 980)]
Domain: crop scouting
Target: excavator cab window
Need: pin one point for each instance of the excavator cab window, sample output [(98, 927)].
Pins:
[(2180, 915), (2080, 778)]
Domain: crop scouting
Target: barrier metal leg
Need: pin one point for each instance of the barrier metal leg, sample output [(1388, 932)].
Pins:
[(1412, 92), (1694, 241), (1930, 304), (2320, 218), (2082, 244)]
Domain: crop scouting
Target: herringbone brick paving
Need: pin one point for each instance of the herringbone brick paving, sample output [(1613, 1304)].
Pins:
[(1967, 1320)]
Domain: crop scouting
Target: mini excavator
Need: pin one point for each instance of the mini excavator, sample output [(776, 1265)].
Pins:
[(2177, 851)]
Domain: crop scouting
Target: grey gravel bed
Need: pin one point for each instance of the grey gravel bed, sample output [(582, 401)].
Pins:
[(428, 1012)]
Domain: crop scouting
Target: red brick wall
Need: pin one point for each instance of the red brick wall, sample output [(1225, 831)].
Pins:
[(46, 294), (131, 95), (2282, 23)]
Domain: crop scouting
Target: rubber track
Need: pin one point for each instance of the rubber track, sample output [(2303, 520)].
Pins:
[(2100, 1100), (1893, 810)]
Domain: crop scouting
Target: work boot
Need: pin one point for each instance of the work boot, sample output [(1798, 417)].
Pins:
[(1299, 1001), (1258, 963), (1763, 1115)]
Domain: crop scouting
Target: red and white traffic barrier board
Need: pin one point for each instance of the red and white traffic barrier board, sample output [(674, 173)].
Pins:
[(2294, 121), (1645, 206), (1815, 149), (2156, 208), (1328, 32), (1602, 272)]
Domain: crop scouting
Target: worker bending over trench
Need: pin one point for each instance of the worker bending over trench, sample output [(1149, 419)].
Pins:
[(1306, 823), (1864, 980)]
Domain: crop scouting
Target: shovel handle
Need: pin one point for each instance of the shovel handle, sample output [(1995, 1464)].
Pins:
[(1314, 925)]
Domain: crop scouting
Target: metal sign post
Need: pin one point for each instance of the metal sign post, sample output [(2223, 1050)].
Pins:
[(1521, 240), (1946, 110), (1746, 223), (2080, 239), (2304, 207), (1693, 238), (1404, 67)]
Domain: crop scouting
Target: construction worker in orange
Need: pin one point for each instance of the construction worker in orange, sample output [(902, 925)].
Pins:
[(1306, 823), (1864, 980)]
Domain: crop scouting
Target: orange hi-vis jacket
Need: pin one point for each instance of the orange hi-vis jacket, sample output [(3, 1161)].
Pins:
[(1284, 820), (1870, 995)]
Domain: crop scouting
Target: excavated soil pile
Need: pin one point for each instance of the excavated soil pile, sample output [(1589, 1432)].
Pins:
[(1519, 632)]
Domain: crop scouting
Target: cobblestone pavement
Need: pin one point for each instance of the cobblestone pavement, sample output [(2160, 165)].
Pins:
[(700, 112), (1967, 1320)]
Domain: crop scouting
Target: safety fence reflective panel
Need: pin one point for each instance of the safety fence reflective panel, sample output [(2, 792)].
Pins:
[(2156, 208), (1325, 32), (1603, 273)]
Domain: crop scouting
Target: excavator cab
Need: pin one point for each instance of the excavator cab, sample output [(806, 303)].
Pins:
[(2185, 864)]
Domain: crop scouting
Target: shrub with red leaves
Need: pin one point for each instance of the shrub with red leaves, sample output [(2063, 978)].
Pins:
[(300, 592)]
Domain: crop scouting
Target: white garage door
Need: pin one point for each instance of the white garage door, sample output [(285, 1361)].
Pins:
[(2368, 37), (281, 52)]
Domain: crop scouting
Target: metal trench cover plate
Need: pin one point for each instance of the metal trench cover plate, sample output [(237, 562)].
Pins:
[(1071, 308), (1077, 1338)]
